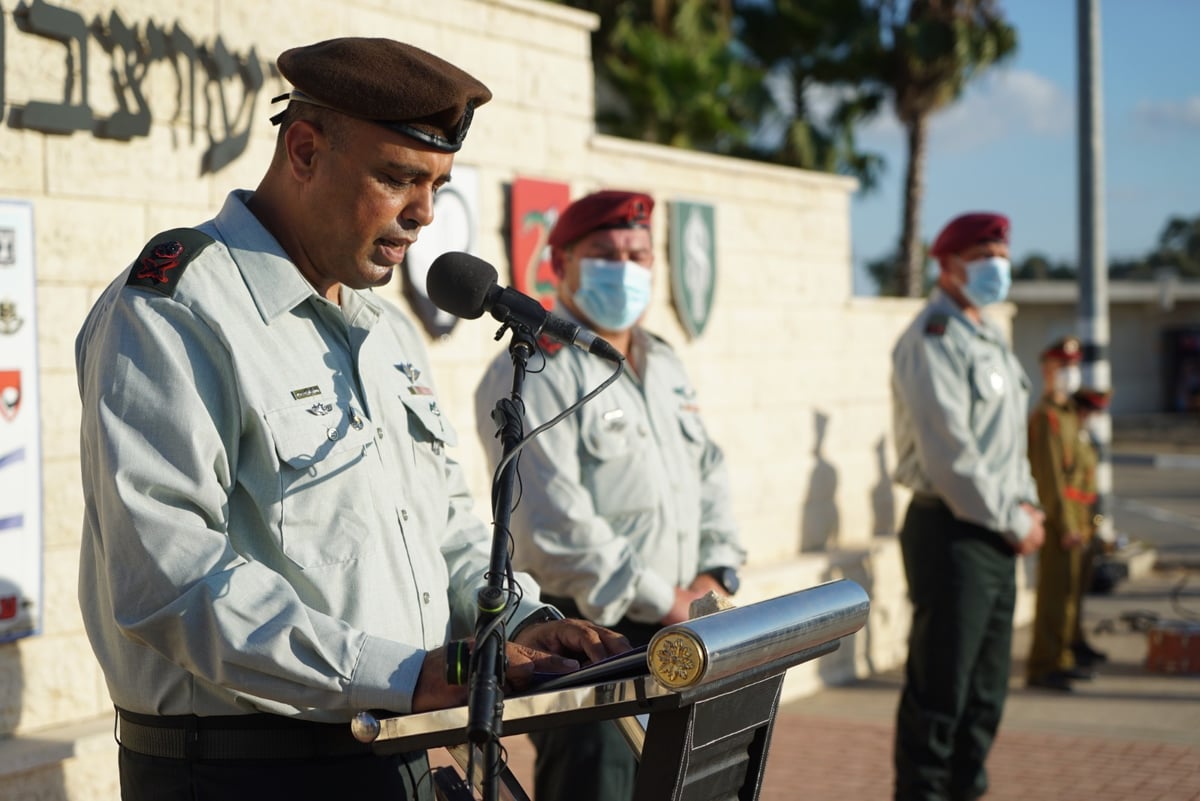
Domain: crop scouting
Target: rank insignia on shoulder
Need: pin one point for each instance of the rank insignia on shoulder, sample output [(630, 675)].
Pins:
[(162, 262), (936, 324), (549, 346)]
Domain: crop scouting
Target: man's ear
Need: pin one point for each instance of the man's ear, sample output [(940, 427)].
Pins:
[(302, 141)]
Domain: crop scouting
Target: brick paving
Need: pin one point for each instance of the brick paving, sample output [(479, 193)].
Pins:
[(825, 759), (816, 758)]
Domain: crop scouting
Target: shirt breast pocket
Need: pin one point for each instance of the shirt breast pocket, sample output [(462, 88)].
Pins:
[(615, 467), (326, 508)]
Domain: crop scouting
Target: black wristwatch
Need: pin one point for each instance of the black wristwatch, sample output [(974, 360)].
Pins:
[(727, 577)]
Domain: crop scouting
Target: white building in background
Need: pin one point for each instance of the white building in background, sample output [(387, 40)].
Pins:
[(1154, 340)]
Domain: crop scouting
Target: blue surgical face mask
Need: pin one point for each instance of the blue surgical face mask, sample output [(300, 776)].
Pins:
[(988, 280), (613, 294)]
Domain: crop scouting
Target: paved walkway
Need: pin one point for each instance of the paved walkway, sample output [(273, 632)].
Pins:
[(1129, 735)]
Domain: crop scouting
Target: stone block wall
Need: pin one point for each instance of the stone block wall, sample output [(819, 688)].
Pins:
[(792, 371)]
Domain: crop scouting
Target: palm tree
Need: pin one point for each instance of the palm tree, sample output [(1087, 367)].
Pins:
[(924, 52)]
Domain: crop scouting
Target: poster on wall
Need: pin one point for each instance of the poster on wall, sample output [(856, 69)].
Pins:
[(693, 255), (20, 430), (455, 226), (534, 209)]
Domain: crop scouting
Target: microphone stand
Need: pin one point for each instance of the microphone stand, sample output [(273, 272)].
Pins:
[(486, 700)]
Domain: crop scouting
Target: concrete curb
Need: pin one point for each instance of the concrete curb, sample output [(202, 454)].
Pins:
[(1162, 461)]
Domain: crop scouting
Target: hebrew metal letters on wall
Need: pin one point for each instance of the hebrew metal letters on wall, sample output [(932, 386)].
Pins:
[(221, 102)]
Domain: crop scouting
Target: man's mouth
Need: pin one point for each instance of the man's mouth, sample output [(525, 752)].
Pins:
[(393, 250)]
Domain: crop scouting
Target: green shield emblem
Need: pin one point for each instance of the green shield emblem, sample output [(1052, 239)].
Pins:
[(693, 255)]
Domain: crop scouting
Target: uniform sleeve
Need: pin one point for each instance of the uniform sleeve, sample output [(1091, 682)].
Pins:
[(934, 384), (719, 543), (159, 454), (558, 534), (466, 548)]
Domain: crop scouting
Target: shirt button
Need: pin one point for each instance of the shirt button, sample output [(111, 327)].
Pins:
[(332, 433), (404, 514), (379, 432), (425, 597)]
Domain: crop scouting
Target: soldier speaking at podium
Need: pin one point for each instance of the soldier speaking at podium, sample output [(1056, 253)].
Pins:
[(959, 400), (275, 533), (624, 514)]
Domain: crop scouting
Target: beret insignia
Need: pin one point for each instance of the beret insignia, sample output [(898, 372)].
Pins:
[(161, 263)]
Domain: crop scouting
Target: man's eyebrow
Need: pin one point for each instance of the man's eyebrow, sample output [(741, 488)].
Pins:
[(413, 171)]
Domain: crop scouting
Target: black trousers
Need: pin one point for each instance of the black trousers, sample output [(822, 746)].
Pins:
[(397, 777), (589, 761), (962, 584)]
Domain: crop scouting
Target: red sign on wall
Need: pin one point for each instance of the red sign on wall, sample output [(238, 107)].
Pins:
[(535, 208)]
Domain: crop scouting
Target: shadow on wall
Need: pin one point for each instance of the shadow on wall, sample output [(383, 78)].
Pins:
[(883, 499), (819, 521), (840, 667), (46, 782)]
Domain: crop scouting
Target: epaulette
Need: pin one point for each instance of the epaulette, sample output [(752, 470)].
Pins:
[(549, 346), (162, 262), (936, 324)]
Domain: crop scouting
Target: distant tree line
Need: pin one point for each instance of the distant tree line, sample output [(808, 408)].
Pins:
[(1178, 250), (788, 81)]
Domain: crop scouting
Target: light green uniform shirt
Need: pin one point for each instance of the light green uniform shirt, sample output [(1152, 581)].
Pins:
[(272, 520), (626, 499), (959, 399)]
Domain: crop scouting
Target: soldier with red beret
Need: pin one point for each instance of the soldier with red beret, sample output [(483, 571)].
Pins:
[(1054, 457), (625, 514), (959, 400), (276, 536)]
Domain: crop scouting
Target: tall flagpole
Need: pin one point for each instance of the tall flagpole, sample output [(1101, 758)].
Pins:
[(1093, 254)]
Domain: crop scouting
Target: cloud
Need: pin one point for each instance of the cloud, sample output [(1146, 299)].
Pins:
[(1167, 115), (1001, 104)]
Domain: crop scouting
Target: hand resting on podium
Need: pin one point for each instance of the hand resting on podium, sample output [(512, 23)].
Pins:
[(557, 646)]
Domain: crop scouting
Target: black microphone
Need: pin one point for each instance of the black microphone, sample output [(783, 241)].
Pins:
[(465, 286)]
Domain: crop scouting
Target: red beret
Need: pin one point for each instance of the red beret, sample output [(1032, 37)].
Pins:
[(387, 82), (968, 230), (1066, 350), (609, 208), (1093, 400)]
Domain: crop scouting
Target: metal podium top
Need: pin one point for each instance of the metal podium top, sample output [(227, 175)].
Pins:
[(685, 662)]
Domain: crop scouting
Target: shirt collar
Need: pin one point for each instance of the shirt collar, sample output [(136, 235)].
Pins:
[(275, 283), (940, 302)]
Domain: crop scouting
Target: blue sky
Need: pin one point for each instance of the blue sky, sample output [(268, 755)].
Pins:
[(1009, 144)]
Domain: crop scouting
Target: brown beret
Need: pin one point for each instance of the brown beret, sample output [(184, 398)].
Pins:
[(391, 83), (968, 230), (1092, 400), (1066, 350)]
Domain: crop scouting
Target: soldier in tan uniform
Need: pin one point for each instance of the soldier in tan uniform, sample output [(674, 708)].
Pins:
[(1082, 493), (1054, 457)]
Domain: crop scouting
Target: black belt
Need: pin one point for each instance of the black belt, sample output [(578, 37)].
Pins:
[(256, 736)]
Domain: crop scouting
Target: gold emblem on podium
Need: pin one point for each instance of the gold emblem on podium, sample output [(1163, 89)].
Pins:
[(677, 659)]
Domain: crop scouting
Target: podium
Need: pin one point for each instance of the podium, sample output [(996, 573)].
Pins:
[(699, 717)]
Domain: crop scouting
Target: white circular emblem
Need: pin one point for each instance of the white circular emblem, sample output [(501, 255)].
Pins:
[(996, 380)]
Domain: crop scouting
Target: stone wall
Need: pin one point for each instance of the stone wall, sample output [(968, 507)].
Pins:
[(792, 371)]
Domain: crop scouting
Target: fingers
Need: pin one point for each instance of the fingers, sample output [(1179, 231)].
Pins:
[(573, 636), (523, 662)]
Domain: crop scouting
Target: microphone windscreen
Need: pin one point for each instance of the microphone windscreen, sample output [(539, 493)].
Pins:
[(459, 283)]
